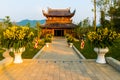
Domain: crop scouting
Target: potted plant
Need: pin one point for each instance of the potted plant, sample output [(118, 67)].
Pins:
[(48, 39), (70, 40), (67, 35), (102, 39), (16, 39)]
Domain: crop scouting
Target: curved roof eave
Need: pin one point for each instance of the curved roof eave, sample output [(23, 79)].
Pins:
[(62, 15)]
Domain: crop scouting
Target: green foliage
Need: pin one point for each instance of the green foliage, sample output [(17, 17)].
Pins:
[(86, 22), (114, 51), (67, 35), (16, 37), (80, 32), (77, 31), (70, 39), (48, 38), (1, 30), (1, 53), (28, 24), (39, 32), (109, 8), (7, 22), (103, 5), (29, 53), (103, 37), (88, 51), (49, 35), (115, 14), (102, 20)]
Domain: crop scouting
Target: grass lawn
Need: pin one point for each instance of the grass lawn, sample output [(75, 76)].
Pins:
[(115, 51), (29, 53), (88, 52)]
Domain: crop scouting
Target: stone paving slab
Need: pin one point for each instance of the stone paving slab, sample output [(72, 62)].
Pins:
[(39, 69), (59, 49), (59, 62)]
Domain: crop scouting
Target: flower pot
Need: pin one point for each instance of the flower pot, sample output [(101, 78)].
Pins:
[(18, 58), (101, 54), (70, 44), (17, 54), (47, 44)]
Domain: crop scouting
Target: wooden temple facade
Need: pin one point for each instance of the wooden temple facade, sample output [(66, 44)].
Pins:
[(58, 22)]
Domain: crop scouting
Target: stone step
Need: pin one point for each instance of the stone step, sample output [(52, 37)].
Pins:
[(54, 60)]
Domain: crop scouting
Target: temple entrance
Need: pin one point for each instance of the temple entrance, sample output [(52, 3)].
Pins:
[(58, 32)]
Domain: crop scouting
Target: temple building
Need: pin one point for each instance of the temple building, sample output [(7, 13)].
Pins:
[(58, 22)]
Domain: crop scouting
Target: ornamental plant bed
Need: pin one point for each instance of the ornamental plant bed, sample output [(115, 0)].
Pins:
[(88, 52), (103, 37), (15, 39), (29, 53)]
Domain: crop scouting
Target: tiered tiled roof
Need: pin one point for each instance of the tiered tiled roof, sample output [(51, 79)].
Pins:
[(58, 13)]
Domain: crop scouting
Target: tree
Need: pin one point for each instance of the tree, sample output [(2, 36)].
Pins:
[(114, 13), (7, 22), (77, 30), (38, 26), (108, 7), (116, 19), (82, 28), (28, 24), (94, 10), (1, 29), (103, 6), (86, 22), (102, 19)]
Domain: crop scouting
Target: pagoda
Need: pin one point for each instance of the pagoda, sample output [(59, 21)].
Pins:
[(58, 22)]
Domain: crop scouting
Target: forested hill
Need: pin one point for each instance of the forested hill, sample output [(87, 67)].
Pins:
[(32, 22)]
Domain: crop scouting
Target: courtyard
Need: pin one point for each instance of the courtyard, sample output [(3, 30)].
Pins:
[(59, 62)]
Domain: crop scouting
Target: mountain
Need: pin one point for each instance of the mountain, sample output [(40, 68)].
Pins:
[(1, 20), (98, 25), (32, 22)]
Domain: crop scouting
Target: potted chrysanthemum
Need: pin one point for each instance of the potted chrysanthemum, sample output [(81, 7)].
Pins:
[(70, 40), (48, 39), (102, 39), (16, 39)]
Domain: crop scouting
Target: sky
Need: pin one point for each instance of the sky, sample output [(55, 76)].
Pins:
[(32, 9)]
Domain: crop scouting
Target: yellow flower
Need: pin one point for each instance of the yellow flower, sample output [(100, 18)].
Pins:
[(103, 37)]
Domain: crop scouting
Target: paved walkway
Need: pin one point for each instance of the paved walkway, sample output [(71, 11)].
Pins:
[(58, 67), (59, 50), (59, 70)]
